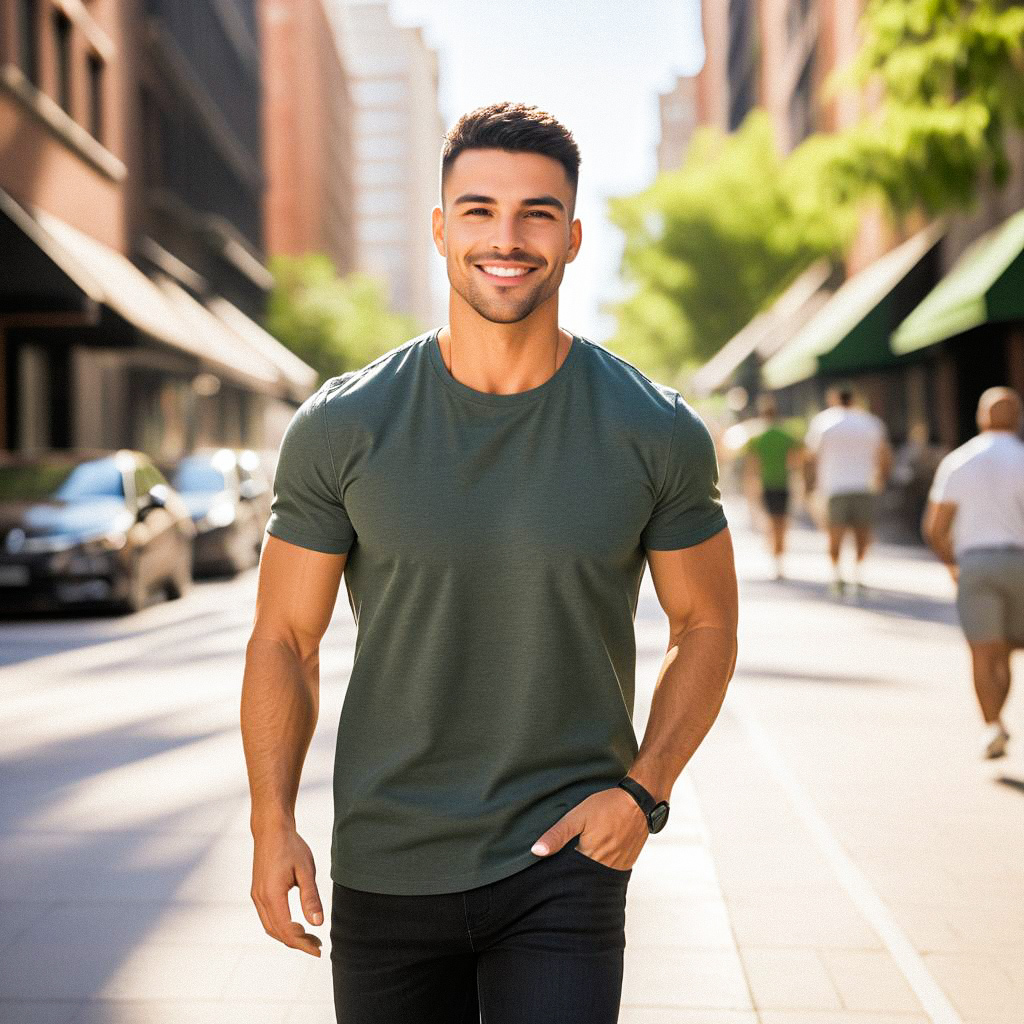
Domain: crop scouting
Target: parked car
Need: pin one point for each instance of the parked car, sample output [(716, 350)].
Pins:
[(90, 528), (226, 509), (257, 486)]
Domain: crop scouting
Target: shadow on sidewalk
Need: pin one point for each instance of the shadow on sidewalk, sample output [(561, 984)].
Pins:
[(879, 600)]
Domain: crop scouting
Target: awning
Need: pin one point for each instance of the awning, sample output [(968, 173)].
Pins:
[(769, 330), (48, 265), (851, 331), (301, 377), (986, 285), (215, 341)]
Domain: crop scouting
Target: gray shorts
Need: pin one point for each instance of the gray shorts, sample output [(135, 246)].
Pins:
[(990, 595), (857, 508)]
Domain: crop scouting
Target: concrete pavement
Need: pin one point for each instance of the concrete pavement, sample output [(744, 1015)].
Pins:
[(836, 854)]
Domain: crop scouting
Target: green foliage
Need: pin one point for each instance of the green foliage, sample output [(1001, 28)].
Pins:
[(708, 245), (333, 323), (950, 79)]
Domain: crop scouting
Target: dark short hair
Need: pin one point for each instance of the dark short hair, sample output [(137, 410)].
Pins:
[(515, 128)]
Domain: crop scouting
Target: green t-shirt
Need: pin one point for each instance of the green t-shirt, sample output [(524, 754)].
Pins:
[(771, 447), (495, 553)]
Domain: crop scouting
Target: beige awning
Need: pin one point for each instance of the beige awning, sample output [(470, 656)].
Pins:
[(301, 377), (767, 332), (238, 350), (219, 344)]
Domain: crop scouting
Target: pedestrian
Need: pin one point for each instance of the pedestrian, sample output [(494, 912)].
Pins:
[(491, 491), (772, 452), (848, 459), (974, 521)]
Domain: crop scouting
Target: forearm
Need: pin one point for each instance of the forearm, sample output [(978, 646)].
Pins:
[(687, 699), (279, 708)]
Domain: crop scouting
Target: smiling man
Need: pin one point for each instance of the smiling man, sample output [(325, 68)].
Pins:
[(491, 491)]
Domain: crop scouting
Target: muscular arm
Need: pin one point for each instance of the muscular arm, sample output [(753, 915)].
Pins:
[(280, 701), (697, 588)]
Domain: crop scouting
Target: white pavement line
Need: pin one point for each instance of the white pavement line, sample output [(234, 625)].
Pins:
[(939, 1009)]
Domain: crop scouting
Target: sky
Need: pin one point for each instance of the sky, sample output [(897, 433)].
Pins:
[(595, 65)]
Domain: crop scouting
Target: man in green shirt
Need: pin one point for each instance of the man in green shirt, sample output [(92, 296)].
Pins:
[(491, 491), (771, 453)]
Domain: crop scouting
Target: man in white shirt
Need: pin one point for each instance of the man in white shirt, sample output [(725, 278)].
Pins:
[(975, 523), (848, 459)]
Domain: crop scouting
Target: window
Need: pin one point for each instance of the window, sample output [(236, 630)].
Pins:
[(28, 39), (62, 39), (96, 96)]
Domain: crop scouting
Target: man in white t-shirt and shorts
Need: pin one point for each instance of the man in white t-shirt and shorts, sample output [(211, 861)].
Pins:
[(849, 457), (975, 523)]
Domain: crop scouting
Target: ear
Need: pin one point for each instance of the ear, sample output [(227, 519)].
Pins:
[(575, 239), (437, 230)]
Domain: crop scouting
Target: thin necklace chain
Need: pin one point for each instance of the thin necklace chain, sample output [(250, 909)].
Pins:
[(451, 357)]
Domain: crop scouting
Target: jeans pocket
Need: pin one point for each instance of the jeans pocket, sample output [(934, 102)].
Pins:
[(621, 872)]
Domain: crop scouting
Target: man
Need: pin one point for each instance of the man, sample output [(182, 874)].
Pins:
[(974, 521), (771, 453), (491, 490), (848, 462)]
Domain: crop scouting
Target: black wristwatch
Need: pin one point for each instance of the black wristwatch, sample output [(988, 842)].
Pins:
[(655, 810)]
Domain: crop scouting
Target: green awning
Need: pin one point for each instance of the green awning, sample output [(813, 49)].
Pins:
[(986, 285), (851, 331)]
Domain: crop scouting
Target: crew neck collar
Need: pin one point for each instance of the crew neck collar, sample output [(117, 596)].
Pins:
[(556, 380)]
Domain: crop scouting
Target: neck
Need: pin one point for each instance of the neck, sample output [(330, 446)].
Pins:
[(502, 366)]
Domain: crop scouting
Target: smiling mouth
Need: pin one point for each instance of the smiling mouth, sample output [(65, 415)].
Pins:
[(505, 275)]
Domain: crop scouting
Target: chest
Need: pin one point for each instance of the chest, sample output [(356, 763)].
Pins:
[(526, 487)]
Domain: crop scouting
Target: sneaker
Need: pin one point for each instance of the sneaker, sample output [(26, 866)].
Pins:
[(995, 737), (837, 588)]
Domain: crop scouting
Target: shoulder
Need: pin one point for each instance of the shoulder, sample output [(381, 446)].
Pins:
[(371, 387), (632, 397), (959, 458)]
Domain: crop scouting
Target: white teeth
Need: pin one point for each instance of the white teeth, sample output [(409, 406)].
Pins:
[(506, 271)]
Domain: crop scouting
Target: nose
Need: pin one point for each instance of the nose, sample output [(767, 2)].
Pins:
[(506, 235)]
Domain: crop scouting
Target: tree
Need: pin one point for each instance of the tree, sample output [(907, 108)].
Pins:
[(949, 78), (333, 323), (710, 244)]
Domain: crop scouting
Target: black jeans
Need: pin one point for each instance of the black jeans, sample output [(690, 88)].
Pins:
[(542, 946)]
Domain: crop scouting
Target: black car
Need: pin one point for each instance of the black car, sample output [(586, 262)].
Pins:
[(226, 506), (90, 528)]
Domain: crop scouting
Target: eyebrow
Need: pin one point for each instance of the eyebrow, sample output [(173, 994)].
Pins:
[(535, 201)]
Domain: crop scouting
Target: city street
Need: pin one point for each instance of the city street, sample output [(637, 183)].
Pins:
[(837, 852)]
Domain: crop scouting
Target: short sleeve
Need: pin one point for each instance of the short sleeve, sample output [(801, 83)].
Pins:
[(812, 439), (945, 484), (307, 509), (688, 508)]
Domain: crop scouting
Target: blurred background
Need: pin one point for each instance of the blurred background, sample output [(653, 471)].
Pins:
[(209, 207)]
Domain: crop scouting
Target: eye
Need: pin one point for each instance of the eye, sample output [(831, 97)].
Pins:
[(542, 213), (478, 209)]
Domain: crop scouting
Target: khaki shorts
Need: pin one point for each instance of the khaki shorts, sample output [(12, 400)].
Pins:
[(990, 595), (857, 508)]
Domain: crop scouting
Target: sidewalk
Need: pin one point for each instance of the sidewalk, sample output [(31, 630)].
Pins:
[(836, 852), (841, 855)]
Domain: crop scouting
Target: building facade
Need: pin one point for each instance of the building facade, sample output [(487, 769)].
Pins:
[(677, 118), (309, 201), (398, 135), (927, 398), (131, 225)]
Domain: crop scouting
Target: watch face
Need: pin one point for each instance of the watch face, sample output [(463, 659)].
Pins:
[(659, 816)]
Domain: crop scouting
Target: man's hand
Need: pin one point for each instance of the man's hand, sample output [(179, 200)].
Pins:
[(611, 827), (282, 860)]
